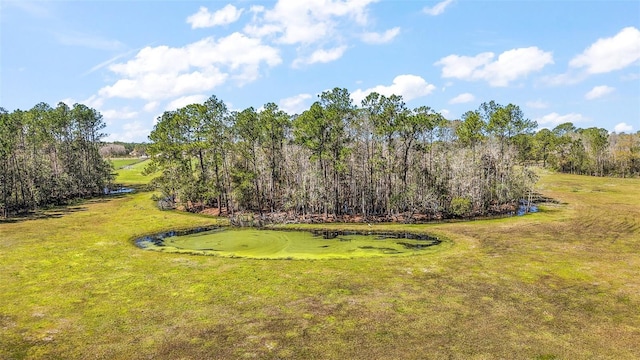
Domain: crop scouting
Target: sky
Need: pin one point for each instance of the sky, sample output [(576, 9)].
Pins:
[(559, 61)]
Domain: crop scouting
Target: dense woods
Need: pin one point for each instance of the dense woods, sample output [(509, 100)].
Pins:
[(49, 156), (380, 160)]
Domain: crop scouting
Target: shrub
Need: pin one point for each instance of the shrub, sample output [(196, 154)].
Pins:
[(460, 206)]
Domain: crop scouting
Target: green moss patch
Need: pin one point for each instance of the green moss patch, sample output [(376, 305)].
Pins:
[(281, 244)]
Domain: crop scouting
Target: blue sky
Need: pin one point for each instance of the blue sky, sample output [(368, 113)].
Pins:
[(560, 61)]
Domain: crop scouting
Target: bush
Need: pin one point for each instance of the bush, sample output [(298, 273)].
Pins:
[(460, 206)]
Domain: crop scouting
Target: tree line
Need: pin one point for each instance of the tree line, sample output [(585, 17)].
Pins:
[(49, 156), (380, 159), (376, 159), (122, 149), (592, 151)]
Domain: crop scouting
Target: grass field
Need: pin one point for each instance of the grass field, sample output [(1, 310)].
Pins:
[(560, 284), (119, 163), (130, 172)]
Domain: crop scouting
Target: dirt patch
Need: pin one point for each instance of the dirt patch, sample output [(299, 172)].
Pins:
[(211, 212)]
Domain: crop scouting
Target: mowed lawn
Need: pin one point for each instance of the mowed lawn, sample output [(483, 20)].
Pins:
[(560, 284), (119, 163), (130, 171)]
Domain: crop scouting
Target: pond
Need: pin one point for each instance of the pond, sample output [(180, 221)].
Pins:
[(117, 190), (526, 207), (287, 244)]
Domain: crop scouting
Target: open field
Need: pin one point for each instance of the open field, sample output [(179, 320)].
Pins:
[(119, 163), (560, 284), (130, 172)]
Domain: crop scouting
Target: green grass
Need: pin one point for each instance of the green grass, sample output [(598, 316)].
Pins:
[(560, 284), (119, 163), (131, 173)]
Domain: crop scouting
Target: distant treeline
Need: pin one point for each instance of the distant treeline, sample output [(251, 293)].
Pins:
[(123, 149), (591, 151), (49, 156), (377, 160)]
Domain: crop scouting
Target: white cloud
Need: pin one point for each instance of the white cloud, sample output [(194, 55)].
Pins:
[(554, 119), (160, 59), (568, 78), (438, 8), (445, 113), (235, 51), (463, 67), (306, 22), (155, 86), (109, 61), (134, 131), (204, 19), (256, 9), (462, 98), (162, 72), (509, 66), (598, 91), (295, 104), (380, 38), (112, 115), (609, 54), (94, 101), (408, 86), (623, 128), (151, 106), (108, 115), (603, 56), (320, 29), (261, 31), (538, 104), (186, 100), (321, 56)]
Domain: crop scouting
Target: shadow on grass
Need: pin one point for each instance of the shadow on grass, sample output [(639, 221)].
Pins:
[(57, 212), (53, 213), (551, 210)]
